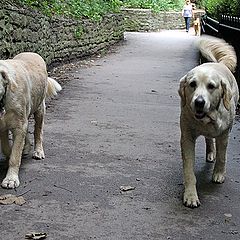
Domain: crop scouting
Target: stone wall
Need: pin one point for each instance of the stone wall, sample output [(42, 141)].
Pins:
[(147, 20), (55, 38)]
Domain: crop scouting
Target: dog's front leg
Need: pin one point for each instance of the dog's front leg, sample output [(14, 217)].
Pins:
[(6, 148), (221, 149), (210, 149), (190, 197), (11, 180)]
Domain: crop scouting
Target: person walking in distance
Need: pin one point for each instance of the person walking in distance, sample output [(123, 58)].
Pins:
[(187, 13)]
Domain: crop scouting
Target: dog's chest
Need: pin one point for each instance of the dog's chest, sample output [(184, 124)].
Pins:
[(212, 129)]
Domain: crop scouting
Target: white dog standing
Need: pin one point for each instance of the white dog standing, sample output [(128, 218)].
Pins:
[(209, 96), (24, 85)]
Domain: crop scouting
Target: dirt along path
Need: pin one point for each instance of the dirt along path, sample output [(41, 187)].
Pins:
[(116, 125)]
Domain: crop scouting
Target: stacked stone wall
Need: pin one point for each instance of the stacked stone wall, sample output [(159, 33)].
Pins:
[(55, 38), (146, 20), (59, 39)]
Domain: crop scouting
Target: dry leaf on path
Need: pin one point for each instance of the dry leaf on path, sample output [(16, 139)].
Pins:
[(8, 199), (36, 236), (126, 188), (228, 215)]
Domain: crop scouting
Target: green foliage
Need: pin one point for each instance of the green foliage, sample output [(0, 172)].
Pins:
[(215, 8), (156, 5), (79, 32), (95, 9), (200, 3)]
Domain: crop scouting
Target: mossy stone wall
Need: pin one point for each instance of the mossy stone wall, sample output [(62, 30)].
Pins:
[(55, 38)]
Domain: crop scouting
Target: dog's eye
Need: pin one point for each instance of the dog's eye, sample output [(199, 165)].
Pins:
[(193, 84), (210, 86)]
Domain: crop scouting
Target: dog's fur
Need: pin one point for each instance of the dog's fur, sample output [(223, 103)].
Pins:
[(197, 27), (24, 85), (209, 96)]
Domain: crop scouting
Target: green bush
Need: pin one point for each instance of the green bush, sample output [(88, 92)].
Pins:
[(215, 8), (156, 5), (95, 9)]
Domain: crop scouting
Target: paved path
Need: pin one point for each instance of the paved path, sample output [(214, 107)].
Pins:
[(116, 123)]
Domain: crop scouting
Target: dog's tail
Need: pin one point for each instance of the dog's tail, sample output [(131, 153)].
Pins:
[(53, 87), (217, 50)]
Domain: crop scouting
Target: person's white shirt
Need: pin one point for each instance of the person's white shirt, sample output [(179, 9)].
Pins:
[(187, 10)]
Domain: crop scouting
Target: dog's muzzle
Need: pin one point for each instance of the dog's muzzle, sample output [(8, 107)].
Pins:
[(199, 104)]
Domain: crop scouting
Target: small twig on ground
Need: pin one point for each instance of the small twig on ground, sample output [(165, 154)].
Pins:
[(62, 188), (19, 195)]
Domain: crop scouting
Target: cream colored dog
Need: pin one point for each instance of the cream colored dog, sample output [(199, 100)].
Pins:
[(24, 85), (197, 27), (209, 95)]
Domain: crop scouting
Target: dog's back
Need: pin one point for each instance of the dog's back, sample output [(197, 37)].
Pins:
[(35, 66), (31, 77), (27, 71)]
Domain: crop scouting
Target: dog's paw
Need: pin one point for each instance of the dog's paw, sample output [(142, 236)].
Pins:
[(191, 200), (210, 157), (38, 155), (26, 150), (11, 181), (218, 178)]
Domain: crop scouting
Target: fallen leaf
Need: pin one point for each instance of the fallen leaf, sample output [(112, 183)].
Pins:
[(126, 188), (94, 122), (36, 236), (8, 199), (229, 215), (20, 201)]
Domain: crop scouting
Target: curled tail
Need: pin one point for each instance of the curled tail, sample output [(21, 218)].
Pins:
[(217, 50), (53, 87)]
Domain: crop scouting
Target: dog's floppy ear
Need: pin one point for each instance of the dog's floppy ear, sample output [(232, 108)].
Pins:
[(227, 95), (181, 90), (8, 80)]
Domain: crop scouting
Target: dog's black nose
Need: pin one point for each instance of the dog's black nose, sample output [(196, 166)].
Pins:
[(199, 102)]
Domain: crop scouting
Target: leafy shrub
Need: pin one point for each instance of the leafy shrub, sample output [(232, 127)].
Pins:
[(156, 5), (95, 9), (215, 8)]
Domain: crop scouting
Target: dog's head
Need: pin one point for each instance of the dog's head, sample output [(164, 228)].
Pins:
[(6, 82), (202, 91)]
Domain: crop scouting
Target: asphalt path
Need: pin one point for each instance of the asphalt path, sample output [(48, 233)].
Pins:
[(116, 124)]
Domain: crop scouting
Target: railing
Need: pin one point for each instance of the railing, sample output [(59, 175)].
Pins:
[(209, 25), (230, 21), (228, 28)]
